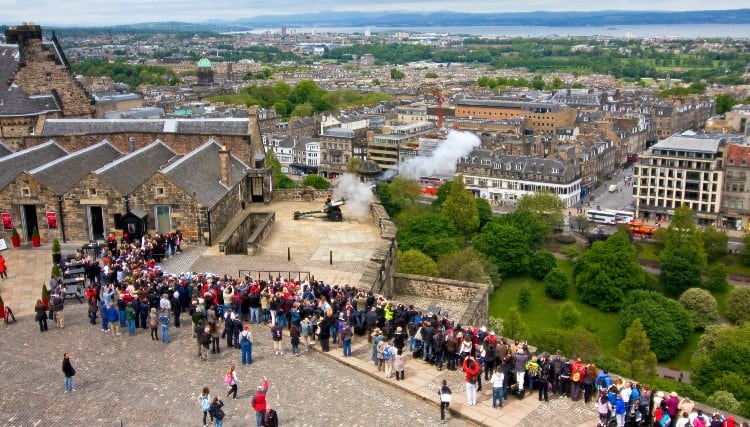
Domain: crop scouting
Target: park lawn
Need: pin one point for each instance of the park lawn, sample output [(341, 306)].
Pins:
[(734, 266), (543, 311)]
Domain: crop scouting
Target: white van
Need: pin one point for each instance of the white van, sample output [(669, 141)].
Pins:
[(612, 188)]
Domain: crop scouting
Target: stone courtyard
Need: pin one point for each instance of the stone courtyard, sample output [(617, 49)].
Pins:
[(134, 381)]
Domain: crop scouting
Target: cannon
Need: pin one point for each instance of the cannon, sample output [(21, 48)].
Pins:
[(331, 211)]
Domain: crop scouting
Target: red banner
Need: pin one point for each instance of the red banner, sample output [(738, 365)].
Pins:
[(52, 219), (7, 223)]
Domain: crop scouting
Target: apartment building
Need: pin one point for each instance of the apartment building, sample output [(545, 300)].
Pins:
[(684, 169), (384, 148), (540, 116), (735, 202)]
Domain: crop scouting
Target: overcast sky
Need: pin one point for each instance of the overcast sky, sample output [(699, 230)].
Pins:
[(109, 12)]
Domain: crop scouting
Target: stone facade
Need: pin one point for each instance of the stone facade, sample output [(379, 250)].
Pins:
[(474, 295), (26, 194), (378, 274)]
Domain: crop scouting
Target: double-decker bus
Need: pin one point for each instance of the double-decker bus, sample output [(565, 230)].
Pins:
[(603, 217)]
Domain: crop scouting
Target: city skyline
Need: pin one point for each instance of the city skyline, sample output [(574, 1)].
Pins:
[(115, 12)]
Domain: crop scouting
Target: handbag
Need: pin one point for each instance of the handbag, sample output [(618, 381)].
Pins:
[(445, 397)]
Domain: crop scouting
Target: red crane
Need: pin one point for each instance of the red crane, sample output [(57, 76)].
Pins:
[(440, 100)]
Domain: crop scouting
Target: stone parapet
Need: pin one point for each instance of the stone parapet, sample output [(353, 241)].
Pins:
[(303, 194)]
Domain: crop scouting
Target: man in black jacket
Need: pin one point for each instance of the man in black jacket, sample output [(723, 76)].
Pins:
[(270, 419)]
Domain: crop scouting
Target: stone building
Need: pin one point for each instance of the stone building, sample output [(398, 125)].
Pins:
[(35, 84), (735, 202), (540, 117)]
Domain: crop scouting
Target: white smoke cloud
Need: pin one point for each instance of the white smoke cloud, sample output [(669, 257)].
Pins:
[(358, 195), (443, 160)]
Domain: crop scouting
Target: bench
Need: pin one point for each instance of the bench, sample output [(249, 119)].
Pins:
[(72, 289)]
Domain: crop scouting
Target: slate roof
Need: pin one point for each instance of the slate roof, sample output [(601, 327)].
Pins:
[(5, 150), (223, 126), (705, 143), (25, 160), (199, 173), (128, 172), (62, 174), (13, 100), (534, 165)]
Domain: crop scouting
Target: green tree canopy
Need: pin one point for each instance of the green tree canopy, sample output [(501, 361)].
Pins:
[(414, 262), (681, 233), (532, 227), (461, 207), (702, 307), (280, 179), (556, 284), (723, 361), (430, 233), (576, 342), (738, 305), (569, 315), (635, 351), (607, 271), (542, 263), (724, 103), (468, 265), (513, 325), (506, 246), (666, 322), (484, 210), (546, 206), (680, 270), (715, 244), (316, 181), (398, 194)]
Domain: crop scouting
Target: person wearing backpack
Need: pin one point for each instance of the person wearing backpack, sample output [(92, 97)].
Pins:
[(389, 351), (603, 381), (216, 412), (276, 336), (205, 401), (231, 380)]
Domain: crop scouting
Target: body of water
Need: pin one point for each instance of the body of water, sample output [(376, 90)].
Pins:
[(621, 31)]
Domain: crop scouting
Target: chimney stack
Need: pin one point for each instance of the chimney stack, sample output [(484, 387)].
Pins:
[(225, 166)]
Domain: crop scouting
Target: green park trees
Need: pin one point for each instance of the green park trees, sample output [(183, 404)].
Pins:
[(635, 351), (702, 307), (605, 273), (738, 305), (666, 322)]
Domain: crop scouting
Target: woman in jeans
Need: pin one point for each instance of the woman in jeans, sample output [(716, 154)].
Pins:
[(41, 315), (471, 368)]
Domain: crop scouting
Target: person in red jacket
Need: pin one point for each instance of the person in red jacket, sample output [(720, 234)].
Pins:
[(259, 402), (577, 373), (471, 368)]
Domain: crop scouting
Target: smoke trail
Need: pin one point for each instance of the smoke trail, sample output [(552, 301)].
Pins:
[(358, 195), (443, 160)]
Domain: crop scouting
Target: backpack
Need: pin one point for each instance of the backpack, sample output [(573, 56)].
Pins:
[(218, 413), (601, 383), (276, 334), (533, 369), (576, 376), (228, 379), (205, 403), (387, 353)]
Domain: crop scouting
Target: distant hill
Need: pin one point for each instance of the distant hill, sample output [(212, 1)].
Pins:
[(606, 18)]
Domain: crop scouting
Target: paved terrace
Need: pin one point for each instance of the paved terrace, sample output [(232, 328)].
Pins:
[(139, 382)]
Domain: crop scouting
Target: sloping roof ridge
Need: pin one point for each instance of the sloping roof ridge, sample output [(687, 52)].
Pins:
[(188, 156), (73, 155), (32, 149), (135, 153)]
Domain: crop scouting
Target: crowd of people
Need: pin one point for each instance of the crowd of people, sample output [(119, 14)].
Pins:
[(128, 289)]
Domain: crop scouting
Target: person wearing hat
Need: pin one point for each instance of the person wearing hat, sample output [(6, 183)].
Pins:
[(246, 345), (673, 404), (259, 403)]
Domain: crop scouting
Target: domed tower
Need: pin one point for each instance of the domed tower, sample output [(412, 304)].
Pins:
[(368, 171), (205, 72)]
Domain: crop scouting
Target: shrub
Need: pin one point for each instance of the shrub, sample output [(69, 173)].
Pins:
[(572, 342), (556, 284), (316, 181), (56, 246), (725, 401), (495, 324), (513, 326), (35, 232), (716, 279), (569, 315), (738, 305), (55, 272), (524, 298), (609, 363), (683, 389), (571, 252), (542, 264), (565, 238), (702, 307), (665, 321)]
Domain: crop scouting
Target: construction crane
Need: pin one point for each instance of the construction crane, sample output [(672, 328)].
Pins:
[(440, 101)]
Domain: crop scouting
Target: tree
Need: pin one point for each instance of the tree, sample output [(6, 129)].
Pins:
[(719, 365), (680, 270), (569, 315), (666, 322), (398, 194), (702, 307), (513, 326), (716, 279), (461, 207), (635, 351), (542, 264), (738, 305), (484, 210), (574, 341), (316, 181), (724, 103), (583, 223), (544, 205), (397, 74), (414, 262), (468, 265), (430, 233), (607, 271), (725, 401), (506, 246), (280, 179), (745, 253), (524, 298), (715, 244), (353, 164), (556, 284), (682, 233)]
